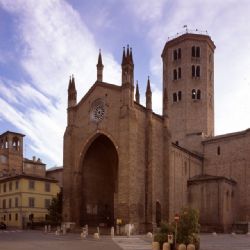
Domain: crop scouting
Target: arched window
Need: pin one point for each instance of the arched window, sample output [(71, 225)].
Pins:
[(6, 143), (179, 73), (175, 74), (198, 94), (179, 96), (218, 150), (174, 97), (198, 71), (15, 143), (193, 51), (193, 71), (179, 53), (197, 51), (175, 54), (193, 94)]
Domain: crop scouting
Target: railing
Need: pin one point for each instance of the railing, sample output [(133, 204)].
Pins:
[(188, 31)]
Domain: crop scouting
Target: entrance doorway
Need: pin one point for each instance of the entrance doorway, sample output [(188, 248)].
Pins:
[(99, 183)]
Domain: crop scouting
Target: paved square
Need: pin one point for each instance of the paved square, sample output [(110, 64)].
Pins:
[(225, 241), (37, 240)]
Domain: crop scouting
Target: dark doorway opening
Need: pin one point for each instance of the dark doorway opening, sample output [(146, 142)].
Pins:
[(99, 183)]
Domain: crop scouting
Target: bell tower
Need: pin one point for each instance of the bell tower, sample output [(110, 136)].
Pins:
[(188, 80), (11, 153)]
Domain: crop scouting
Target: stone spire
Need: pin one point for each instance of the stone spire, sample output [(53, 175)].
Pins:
[(148, 96), (123, 57), (131, 57), (127, 67), (99, 67), (137, 93), (72, 94)]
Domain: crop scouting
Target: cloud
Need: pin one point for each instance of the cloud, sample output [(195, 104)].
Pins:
[(147, 10), (55, 44)]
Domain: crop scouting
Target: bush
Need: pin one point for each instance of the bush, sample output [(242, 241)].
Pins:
[(164, 231), (188, 227), (161, 238)]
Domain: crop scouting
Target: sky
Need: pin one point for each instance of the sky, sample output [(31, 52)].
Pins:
[(43, 42)]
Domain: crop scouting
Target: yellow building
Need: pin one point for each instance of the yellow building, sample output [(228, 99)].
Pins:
[(25, 191), (25, 197)]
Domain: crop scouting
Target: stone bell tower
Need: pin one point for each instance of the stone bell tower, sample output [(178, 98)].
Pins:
[(11, 153), (188, 80)]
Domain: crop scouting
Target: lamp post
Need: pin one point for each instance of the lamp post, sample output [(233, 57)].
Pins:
[(176, 219)]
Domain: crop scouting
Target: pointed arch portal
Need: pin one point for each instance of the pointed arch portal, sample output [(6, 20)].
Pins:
[(99, 183)]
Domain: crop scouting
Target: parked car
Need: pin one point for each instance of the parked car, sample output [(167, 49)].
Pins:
[(2, 225)]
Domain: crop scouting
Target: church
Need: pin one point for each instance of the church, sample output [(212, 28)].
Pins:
[(123, 161)]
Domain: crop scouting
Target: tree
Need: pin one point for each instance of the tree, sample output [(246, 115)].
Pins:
[(55, 209)]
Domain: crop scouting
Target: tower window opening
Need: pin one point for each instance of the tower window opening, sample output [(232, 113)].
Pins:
[(174, 97), (197, 71), (193, 71), (175, 55), (193, 51), (179, 73), (218, 150), (197, 51), (198, 94), (179, 53), (175, 74), (193, 94), (179, 96), (15, 144)]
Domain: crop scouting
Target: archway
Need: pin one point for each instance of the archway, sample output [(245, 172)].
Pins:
[(99, 183)]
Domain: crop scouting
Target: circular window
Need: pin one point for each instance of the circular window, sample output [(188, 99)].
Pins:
[(97, 110)]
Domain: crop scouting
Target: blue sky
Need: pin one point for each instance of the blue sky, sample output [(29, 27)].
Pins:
[(42, 42)]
